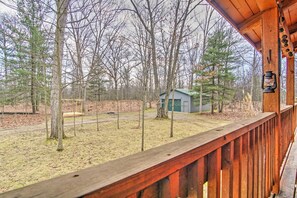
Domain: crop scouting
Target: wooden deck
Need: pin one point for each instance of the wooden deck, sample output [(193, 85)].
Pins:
[(289, 174)]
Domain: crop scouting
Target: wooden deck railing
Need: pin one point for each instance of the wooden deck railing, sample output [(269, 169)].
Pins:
[(237, 160)]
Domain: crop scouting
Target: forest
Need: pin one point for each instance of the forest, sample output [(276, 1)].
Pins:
[(89, 50)]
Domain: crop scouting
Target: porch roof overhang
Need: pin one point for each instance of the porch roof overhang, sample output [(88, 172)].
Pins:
[(245, 16)]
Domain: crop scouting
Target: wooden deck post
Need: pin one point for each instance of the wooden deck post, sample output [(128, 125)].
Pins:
[(271, 101), (290, 85)]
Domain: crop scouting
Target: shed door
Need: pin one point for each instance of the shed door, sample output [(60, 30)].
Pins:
[(186, 106), (177, 105)]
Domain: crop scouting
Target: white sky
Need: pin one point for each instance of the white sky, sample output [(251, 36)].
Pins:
[(4, 8)]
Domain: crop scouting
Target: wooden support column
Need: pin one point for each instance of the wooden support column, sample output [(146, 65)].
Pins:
[(290, 85), (271, 101)]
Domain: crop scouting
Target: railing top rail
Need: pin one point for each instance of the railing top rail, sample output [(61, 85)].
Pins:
[(286, 108), (141, 169)]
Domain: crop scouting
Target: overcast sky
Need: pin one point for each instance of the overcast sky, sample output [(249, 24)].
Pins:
[(4, 8)]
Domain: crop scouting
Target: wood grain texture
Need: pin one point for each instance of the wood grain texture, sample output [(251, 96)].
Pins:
[(251, 168), (202, 169), (236, 183), (256, 163), (227, 169), (290, 81), (214, 169), (174, 184), (271, 102), (244, 166)]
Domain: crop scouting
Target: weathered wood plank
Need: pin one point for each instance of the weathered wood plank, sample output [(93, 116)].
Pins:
[(289, 175), (202, 168), (236, 167), (261, 162), (183, 182), (267, 159), (251, 169), (244, 166), (150, 192), (227, 169), (193, 180), (174, 184), (214, 169), (164, 188), (256, 162)]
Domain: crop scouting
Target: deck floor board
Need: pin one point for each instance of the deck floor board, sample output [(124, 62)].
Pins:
[(289, 175)]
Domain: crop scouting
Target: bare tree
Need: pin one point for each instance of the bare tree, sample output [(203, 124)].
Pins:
[(149, 14), (56, 91), (113, 63), (181, 12)]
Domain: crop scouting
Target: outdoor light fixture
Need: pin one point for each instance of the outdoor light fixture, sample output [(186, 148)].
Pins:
[(269, 82)]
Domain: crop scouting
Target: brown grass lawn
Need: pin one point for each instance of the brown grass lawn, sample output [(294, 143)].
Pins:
[(27, 158)]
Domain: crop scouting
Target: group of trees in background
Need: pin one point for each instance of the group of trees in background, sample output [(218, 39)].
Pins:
[(111, 49)]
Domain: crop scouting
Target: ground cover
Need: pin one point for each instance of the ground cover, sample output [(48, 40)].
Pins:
[(27, 158)]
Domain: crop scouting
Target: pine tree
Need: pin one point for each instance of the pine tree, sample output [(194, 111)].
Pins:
[(24, 49), (215, 71)]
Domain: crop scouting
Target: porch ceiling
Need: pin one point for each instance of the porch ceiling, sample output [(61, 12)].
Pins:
[(245, 16)]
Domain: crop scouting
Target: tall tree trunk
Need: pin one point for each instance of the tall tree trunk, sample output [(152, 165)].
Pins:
[(172, 111), (33, 73), (56, 92), (201, 92), (118, 106)]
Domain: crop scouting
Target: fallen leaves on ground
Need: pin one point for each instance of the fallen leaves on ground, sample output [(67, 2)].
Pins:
[(27, 158)]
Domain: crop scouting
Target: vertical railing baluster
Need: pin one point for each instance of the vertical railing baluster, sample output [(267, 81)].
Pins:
[(214, 169), (236, 167), (202, 168), (193, 180), (174, 184), (256, 162), (244, 165), (227, 169), (251, 153), (268, 165), (261, 162)]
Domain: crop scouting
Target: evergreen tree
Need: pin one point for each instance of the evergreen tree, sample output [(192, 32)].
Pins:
[(24, 54), (215, 71)]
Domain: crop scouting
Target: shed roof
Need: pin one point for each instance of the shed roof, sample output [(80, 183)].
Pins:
[(245, 16), (188, 92)]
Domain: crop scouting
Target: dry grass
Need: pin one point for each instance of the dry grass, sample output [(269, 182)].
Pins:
[(27, 158)]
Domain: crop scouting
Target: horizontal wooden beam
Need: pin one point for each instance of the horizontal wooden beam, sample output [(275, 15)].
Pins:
[(258, 46), (295, 45), (287, 3), (251, 22), (266, 4), (293, 28)]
